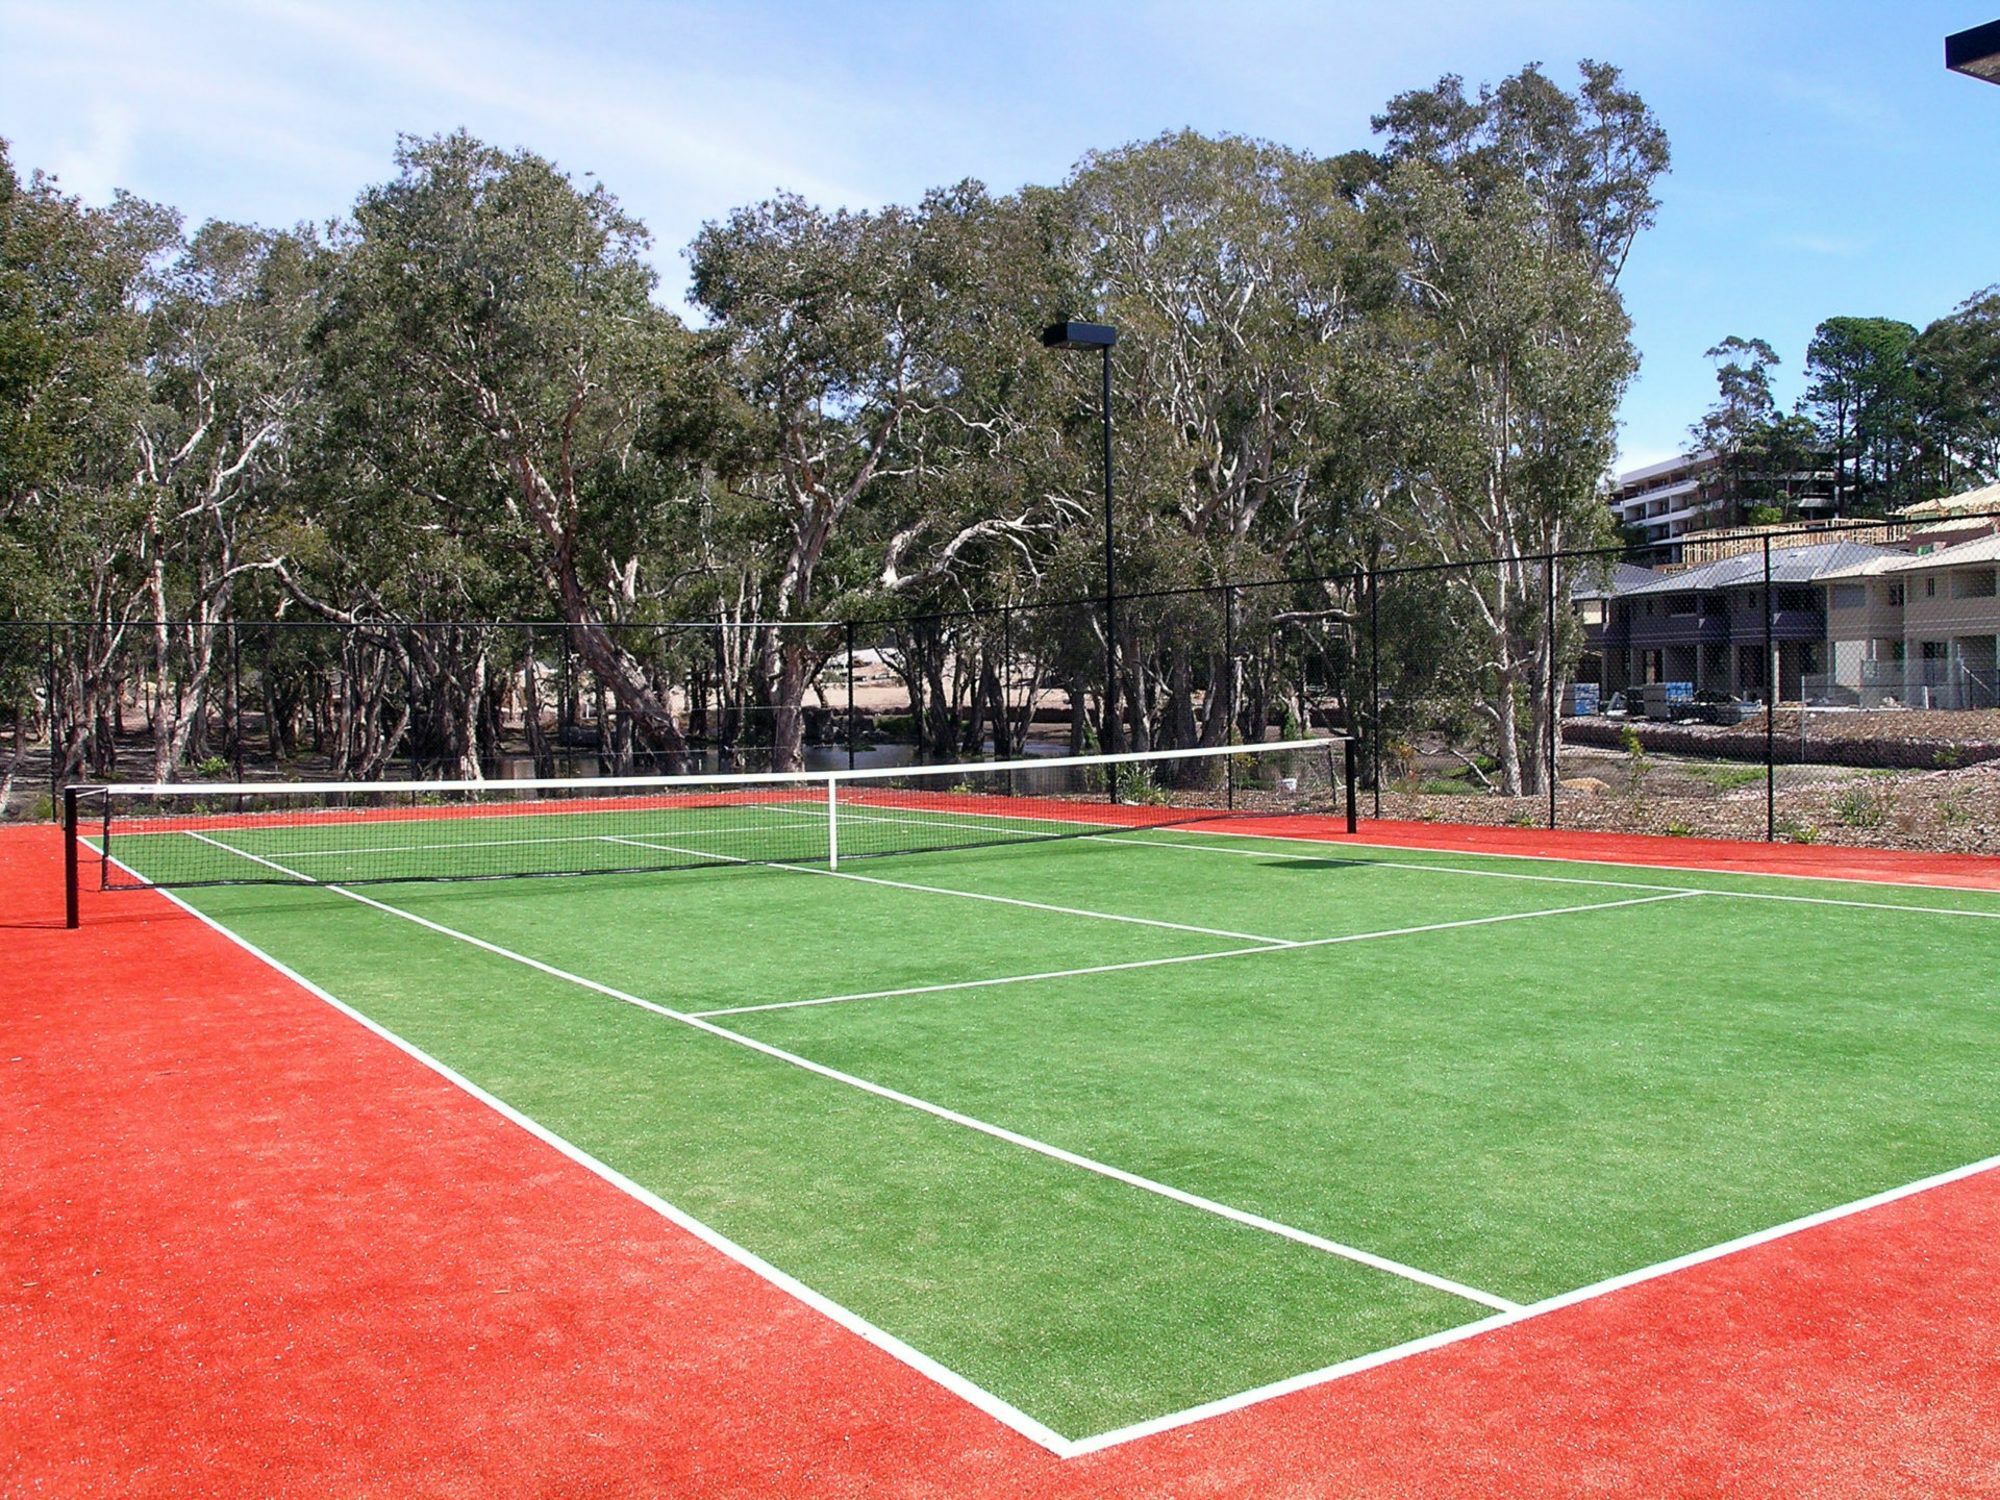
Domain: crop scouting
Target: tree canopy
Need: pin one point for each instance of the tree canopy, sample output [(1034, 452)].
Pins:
[(465, 401)]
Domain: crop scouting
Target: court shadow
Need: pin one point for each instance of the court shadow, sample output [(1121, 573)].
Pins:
[(1316, 862)]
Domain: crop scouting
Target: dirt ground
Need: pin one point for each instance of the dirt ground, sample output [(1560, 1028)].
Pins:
[(1955, 810)]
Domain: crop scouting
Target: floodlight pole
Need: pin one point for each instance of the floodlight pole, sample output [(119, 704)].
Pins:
[(1101, 337), (1114, 731)]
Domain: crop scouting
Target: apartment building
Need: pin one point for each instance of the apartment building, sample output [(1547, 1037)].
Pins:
[(1695, 492), (1706, 625), (1922, 631), (1662, 501)]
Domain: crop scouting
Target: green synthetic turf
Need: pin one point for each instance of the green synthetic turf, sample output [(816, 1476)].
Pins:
[(1527, 1106)]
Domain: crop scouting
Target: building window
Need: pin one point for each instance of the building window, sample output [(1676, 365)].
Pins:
[(1895, 599), (1849, 596), (1930, 588), (1974, 584)]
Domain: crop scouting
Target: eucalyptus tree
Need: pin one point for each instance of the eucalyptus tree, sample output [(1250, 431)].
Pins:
[(988, 488), (846, 341), (229, 378), (492, 356), (1223, 263), (1863, 394), (1764, 451), (73, 288), (1584, 163), (1957, 358), (1511, 355), (1508, 218)]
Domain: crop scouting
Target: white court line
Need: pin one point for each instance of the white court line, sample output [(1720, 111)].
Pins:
[(1196, 958), (1112, 834), (994, 1406), (1117, 1436), (943, 890), (981, 1399), (1344, 842), (896, 1096), (815, 812), (1622, 885)]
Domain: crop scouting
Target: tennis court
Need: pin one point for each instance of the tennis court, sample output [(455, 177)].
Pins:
[(1112, 1117)]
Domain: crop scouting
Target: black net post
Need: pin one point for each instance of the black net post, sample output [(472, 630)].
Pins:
[(1350, 767), (69, 817), (1770, 703)]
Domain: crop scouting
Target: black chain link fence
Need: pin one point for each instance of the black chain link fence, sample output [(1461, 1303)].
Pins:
[(1625, 690)]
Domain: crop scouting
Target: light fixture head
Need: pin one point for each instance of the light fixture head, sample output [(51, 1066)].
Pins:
[(1079, 336), (1975, 53)]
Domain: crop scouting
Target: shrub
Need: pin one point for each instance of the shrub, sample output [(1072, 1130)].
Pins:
[(1863, 806)]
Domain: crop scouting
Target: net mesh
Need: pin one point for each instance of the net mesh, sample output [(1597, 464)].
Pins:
[(362, 833)]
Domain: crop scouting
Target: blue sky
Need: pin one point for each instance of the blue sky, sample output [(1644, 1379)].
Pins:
[(1824, 161)]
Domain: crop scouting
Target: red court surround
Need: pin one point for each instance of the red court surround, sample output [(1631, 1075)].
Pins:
[(251, 1248)]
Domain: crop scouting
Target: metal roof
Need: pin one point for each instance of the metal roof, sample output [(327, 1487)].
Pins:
[(1985, 549), (1788, 565), (1622, 578)]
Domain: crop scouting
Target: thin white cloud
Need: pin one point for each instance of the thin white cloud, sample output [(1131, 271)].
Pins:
[(708, 131), (1836, 245), (97, 159)]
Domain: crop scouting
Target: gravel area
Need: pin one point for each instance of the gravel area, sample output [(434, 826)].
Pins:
[(1954, 810)]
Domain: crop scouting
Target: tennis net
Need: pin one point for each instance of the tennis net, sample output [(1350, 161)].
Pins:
[(353, 833)]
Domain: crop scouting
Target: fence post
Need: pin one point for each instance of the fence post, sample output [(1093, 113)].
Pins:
[(1374, 690), (69, 815), (55, 766), (850, 694), (1229, 692), (1549, 589), (1770, 703), (409, 697), (1006, 751), (236, 699)]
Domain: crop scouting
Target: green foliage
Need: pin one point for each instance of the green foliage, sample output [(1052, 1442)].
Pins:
[(1637, 763), (1726, 778), (1863, 806)]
